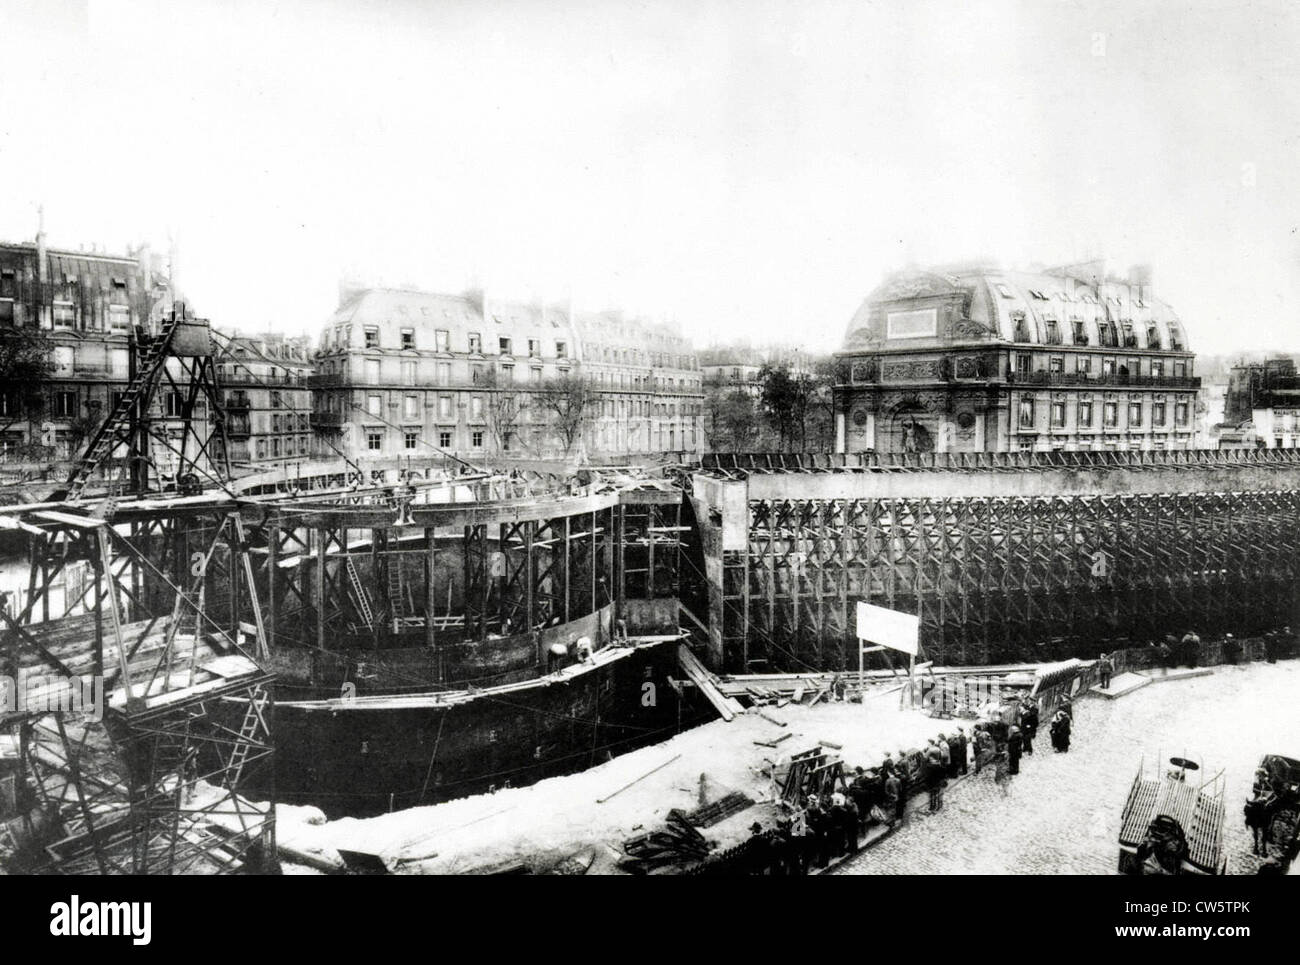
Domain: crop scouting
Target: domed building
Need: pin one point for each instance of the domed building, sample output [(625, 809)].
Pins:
[(978, 359)]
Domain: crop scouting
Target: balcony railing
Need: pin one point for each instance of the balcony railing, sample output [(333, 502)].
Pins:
[(250, 378), (1083, 378), (328, 420), (327, 380)]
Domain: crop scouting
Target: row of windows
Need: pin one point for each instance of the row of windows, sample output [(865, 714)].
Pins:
[(445, 405), (375, 439), (275, 448), (1083, 297), (65, 404), (66, 316), (407, 341), (1156, 368), (1109, 414), (1109, 334), (340, 337)]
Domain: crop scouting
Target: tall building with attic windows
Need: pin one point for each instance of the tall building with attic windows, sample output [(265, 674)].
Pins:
[(977, 359), (264, 381), (647, 382), (406, 377), (87, 303)]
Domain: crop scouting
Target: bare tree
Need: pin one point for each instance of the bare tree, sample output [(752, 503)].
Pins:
[(734, 421), (26, 364), (569, 399), (505, 409)]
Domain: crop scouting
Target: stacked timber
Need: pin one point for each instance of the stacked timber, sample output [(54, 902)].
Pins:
[(677, 844)]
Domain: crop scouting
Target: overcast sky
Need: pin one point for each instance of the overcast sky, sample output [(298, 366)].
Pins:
[(750, 168)]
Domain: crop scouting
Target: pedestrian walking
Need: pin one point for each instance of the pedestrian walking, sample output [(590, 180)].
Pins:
[(1001, 771), (1104, 669), (1259, 817), (983, 748), (904, 789), (852, 826), (1028, 725), (1060, 730), (934, 779), (1230, 649), (1013, 749)]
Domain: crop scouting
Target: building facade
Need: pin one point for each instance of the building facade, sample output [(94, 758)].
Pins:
[(1261, 408), (405, 378), (86, 304), (729, 377), (977, 359), (264, 382)]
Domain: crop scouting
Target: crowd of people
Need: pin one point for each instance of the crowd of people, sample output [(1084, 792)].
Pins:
[(826, 827)]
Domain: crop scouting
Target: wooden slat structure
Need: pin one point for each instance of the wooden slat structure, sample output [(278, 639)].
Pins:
[(1200, 815)]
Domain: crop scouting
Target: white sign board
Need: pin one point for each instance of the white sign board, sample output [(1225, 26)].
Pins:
[(890, 628)]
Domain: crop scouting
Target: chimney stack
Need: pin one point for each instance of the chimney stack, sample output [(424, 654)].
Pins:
[(1139, 277), (40, 256), (477, 296)]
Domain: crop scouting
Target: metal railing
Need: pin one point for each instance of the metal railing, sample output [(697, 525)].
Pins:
[(760, 462)]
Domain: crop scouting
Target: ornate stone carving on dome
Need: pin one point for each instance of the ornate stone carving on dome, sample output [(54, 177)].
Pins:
[(969, 328), (912, 371), (863, 337), (905, 287)]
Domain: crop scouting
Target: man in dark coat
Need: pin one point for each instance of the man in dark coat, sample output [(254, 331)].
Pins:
[(935, 776), (852, 826), (1104, 669), (1013, 749), (894, 797), (758, 853), (1028, 726), (1061, 731), (817, 827)]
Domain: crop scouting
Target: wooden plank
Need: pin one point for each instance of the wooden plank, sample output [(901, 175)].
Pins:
[(67, 519)]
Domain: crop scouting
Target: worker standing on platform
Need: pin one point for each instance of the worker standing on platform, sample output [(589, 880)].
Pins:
[(555, 655)]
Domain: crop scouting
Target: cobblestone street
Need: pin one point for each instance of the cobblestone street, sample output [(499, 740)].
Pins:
[(1061, 813)]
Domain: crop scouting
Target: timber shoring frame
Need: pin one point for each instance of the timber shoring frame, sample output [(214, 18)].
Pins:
[(1014, 578)]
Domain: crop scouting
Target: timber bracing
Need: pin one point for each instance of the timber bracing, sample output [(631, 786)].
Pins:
[(998, 579), (167, 617)]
